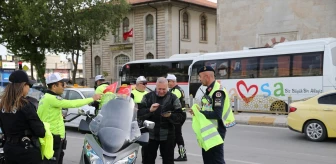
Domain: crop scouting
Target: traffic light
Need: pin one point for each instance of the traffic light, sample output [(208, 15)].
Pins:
[(20, 65)]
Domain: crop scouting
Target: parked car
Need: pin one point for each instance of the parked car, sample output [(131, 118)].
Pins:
[(73, 94), (314, 117)]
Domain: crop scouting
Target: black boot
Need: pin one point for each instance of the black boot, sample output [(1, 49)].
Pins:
[(183, 154)]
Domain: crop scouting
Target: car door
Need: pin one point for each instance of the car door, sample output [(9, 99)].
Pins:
[(328, 107), (73, 95)]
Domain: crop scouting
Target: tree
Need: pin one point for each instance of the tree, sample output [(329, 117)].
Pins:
[(26, 29), (87, 21)]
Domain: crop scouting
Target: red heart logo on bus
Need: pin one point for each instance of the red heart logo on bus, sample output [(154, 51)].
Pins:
[(246, 99)]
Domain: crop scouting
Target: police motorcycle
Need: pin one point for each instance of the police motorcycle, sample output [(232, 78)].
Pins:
[(113, 136)]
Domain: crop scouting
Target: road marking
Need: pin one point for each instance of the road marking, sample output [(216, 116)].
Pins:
[(74, 137), (253, 126), (232, 160)]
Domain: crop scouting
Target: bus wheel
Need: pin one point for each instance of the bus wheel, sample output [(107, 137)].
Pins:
[(278, 106)]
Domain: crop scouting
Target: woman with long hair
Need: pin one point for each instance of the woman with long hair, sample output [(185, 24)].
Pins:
[(19, 122)]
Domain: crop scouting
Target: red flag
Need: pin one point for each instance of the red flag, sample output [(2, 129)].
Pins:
[(111, 88), (125, 90), (128, 34)]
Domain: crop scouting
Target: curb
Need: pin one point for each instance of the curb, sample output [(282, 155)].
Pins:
[(258, 120)]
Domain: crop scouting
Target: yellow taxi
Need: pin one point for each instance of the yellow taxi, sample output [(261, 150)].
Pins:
[(315, 117)]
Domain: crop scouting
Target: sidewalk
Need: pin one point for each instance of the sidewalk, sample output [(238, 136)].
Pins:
[(258, 119)]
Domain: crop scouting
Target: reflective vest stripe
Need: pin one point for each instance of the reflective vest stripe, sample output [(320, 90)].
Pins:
[(207, 128), (213, 134), (227, 114)]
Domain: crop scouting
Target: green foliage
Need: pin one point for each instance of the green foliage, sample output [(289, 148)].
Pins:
[(30, 28)]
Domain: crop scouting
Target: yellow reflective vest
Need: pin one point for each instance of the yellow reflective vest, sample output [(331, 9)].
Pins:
[(138, 95), (227, 114), (50, 111), (47, 143), (206, 132)]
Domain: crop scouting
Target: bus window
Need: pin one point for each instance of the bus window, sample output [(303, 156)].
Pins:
[(268, 67), (307, 64), (222, 71), (333, 55), (244, 68), (194, 69)]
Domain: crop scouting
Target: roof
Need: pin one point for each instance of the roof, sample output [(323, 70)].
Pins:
[(204, 3), (298, 46)]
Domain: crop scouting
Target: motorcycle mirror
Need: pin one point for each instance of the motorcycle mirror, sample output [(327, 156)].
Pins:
[(82, 112), (148, 124), (64, 111)]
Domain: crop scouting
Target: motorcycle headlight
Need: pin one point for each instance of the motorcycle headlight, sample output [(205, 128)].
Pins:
[(91, 154), (130, 159)]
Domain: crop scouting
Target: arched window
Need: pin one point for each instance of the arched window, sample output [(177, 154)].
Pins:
[(125, 26), (97, 65), (120, 60), (149, 56), (203, 28), (185, 25), (149, 27)]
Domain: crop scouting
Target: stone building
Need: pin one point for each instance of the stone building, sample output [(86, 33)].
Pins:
[(259, 23), (161, 28)]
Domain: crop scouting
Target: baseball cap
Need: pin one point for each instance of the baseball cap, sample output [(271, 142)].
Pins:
[(20, 77), (99, 77), (54, 77), (141, 78), (171, 77)]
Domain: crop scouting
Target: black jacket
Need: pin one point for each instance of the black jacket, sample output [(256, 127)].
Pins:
[(164, 127), (25, 122)]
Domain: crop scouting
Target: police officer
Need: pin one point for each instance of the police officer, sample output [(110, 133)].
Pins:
[(137, 95), (100, 86), (177, 90), (50, 111), (216, 108), (19, 122), (140, 89)]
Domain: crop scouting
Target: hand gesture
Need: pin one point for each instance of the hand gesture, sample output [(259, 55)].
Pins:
[(154, 107), (166, 114), (96, 97), (191, 111)]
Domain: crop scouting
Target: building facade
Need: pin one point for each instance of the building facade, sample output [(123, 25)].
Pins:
[(263, 23), (160, 29)]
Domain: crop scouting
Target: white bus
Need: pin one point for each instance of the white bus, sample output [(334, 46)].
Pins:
[(177, 64), (264, 78)]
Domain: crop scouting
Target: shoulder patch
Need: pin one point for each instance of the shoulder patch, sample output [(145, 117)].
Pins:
[(218, 94), (59, 97)]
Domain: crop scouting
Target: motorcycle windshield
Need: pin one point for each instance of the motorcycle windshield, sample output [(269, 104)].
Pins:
[(113, 125)]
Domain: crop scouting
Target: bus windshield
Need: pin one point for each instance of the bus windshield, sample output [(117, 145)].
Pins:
[(153, 70)]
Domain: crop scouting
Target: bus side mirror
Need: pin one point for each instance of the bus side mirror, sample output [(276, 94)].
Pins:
[(120, 73)]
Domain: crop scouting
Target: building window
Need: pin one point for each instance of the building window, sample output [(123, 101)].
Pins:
[(120, 60), (149, 27), (97, 65), (117, 35), (149, 56), (125, 26), (203, 28), (185, 25)]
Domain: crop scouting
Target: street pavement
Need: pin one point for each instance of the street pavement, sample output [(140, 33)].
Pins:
[(244, 144)]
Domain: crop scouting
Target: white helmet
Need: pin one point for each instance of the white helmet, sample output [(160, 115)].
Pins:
[(141, 79)]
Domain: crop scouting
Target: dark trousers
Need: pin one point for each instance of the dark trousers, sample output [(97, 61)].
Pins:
[(214, 155), (178, 131), (166, 149), (17, 154), (144, 152), (59, 146)]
